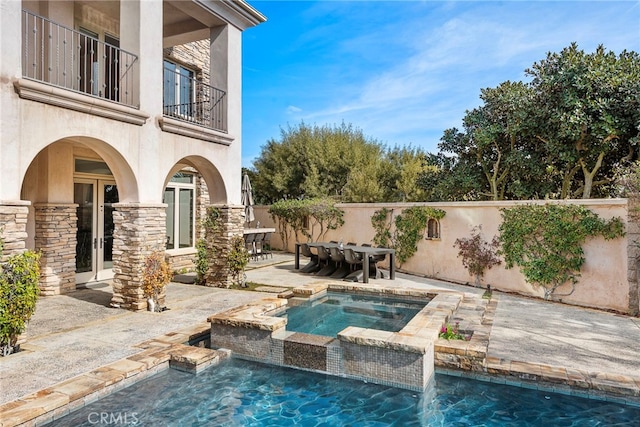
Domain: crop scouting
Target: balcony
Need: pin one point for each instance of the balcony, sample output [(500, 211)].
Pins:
[(191, 100), (75, 61)]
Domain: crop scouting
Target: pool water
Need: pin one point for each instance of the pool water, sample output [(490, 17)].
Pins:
[(241, 393), (332, 313)]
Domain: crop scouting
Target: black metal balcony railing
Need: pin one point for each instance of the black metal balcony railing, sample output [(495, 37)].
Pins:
[(76, 61), (193, 101)]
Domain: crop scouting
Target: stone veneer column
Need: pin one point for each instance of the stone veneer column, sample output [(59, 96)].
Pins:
[(202, 202), (13, 226), (633, 253), (139, 231), (55, 237), (231, 225)]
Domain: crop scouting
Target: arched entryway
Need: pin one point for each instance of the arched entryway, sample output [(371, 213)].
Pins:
[(73, 185)]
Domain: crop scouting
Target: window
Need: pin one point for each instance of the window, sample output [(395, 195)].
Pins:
[(433, 229), (180, 200), (178, 90)]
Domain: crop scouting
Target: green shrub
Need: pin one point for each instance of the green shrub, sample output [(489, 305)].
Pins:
[(202, 262), (237, 260), (19, 277)]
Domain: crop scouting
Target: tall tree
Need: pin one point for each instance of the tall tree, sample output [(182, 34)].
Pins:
[(494, 138), (587, 114), (313, 161)]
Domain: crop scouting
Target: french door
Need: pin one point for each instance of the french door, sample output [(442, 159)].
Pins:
[(94, 247)]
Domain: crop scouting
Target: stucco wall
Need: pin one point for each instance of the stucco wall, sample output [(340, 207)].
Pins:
[(603, 282)]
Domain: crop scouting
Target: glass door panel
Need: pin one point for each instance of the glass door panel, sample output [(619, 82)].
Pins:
[(186, 215), (169, 199), (94, 246), (84, 198), (107, 197)]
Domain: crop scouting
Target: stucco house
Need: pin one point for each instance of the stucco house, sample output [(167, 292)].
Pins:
[(120, 122)]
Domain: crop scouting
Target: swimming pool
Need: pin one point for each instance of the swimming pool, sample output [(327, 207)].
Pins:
[(242, 393), (335, 311)]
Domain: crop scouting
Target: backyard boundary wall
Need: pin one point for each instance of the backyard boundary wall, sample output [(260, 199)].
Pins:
[(608, 277)]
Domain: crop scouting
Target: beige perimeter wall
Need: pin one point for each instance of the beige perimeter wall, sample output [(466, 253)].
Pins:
[(604, 279)]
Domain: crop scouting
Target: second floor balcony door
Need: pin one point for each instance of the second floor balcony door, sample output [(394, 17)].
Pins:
[(99, 65), (178, 90)]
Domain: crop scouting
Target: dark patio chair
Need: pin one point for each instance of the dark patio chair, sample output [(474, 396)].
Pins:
[(266, 245), (342, 267), (324, 257), (249, 244), (355, 262), (258, 245), (313, 264)]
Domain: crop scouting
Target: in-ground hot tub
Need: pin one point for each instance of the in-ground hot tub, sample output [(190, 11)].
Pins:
[(402, 358)]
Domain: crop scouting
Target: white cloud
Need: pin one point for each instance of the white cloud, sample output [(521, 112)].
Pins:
[(452, 57), (292, 109)]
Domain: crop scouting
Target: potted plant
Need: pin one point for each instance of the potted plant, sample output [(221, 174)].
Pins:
[(156, 276)]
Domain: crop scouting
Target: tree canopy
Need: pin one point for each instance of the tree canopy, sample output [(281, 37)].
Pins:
[(564, 134)]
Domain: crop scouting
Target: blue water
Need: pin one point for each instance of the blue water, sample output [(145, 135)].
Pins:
[(240, 393), (331, 314)]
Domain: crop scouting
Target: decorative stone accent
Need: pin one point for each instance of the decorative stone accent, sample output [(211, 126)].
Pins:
[(231, 224), (139, 231), (55, 238), (181, 262), (13, 227), (194, 55), (306, 351), (202, 201), (633, 253)]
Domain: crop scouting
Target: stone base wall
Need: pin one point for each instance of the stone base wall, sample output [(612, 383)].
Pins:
[(13, 227), (139, 231), (181, 262), (230, 224), (55, 238)]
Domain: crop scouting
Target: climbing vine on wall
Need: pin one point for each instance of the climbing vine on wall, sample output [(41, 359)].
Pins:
[(310, 218), (409, 229), (204, 251), (545, 241)]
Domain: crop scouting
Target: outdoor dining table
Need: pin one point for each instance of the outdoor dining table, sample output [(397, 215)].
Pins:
[(258, 230), (365, 251)]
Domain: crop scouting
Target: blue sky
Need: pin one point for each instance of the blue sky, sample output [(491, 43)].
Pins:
[(404, 71)]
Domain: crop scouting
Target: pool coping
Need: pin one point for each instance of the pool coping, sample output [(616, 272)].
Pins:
[(172, 350)]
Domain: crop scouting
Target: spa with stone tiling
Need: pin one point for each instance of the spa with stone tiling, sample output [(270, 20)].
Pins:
[(404, 359)]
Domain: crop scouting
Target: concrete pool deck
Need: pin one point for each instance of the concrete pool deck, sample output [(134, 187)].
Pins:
[(530, 339)]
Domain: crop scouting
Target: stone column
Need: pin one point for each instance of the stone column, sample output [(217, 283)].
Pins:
[(55, 237), (13, 227), (202, 202), (140, 229), (230, 224), (633, 253)]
